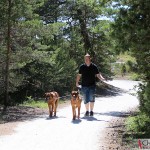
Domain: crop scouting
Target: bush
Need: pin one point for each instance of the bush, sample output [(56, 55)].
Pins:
[(144, 97), (139, 124), (134, 77)]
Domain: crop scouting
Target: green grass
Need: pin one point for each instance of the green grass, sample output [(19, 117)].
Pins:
[(32, 103), (134, 76), (130, 73), (126, 57), (128, 76), (38, 103)]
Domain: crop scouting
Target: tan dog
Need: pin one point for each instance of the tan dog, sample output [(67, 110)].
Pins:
[(52, 100), (75, 103)]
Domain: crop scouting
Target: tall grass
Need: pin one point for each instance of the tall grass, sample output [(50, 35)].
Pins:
[(38, 103), (33, 103)]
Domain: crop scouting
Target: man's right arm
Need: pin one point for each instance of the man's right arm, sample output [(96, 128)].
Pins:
[(78, 79)]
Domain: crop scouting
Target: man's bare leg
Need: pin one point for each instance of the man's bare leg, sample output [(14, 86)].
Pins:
[(87, 106), (91, 106)]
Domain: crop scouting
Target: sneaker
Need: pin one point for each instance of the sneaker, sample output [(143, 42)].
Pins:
[(91, 113), (87, 113)]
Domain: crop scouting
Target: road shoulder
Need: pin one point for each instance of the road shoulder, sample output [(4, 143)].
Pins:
[(113, 135), (18, 114)]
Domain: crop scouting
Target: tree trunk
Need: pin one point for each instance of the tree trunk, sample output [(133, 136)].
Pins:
[(8, 55), (84, 33), (86, 39)]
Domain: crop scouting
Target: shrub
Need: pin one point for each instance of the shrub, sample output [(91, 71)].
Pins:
[(139, 124)]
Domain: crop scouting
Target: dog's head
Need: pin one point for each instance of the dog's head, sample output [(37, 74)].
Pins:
[(75, 94), (48, 95)]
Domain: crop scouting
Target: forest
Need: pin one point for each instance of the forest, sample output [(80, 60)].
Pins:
[(42, 44)]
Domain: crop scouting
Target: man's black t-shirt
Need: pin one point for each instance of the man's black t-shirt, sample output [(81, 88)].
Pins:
[(88, 74)]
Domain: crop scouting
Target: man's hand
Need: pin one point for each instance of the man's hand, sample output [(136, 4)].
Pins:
[(77, 80), (77, 84), (100, 77)]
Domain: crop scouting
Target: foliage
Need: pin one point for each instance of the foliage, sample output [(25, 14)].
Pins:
[(132, 29), (32, 103), (134, 77), (48, 40), (17, 38), (133, 24), (125, 66), (139, 125), (144, 96), (38, 103)]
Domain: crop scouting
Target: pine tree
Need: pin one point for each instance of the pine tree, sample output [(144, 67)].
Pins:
[(132, 30), (17, 22)]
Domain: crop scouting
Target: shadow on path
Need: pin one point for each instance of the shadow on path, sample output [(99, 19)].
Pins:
[(106, 90), (115, 114), (21, 113), (54, 117), (92, 118), (77, 121)]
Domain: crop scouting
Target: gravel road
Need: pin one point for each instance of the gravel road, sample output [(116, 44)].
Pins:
[(61, 133)]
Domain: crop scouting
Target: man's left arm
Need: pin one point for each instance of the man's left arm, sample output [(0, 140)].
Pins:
[(100, 76)]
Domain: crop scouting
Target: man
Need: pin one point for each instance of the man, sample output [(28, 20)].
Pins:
[(88, 72)]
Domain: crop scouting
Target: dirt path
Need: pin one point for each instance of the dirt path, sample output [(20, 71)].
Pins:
[(18, 114), (63, 133)]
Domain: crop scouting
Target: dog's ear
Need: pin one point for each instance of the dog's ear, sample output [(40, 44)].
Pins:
[(45, 95), (72, 92)]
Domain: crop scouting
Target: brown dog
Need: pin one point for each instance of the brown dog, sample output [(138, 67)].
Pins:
[(75, 103), (52, 100)]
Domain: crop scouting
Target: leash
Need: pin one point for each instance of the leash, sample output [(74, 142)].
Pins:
[(69, 95), (61, 97)]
